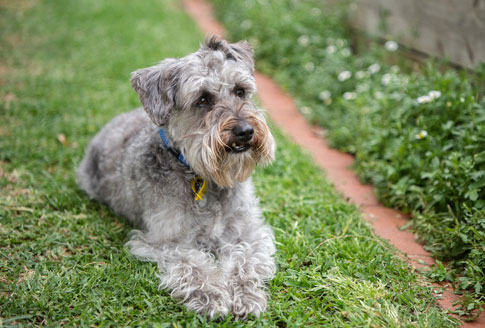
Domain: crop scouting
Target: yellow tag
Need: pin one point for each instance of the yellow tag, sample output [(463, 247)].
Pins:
[(198, 187)]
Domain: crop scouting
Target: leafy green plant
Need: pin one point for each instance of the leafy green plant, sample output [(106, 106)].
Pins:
[(417, 136)]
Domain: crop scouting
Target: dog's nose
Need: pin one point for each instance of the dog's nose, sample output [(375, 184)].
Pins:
[(243, 131)]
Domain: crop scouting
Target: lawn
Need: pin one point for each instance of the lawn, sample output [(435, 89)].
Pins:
[(416, 130), (65, 67)]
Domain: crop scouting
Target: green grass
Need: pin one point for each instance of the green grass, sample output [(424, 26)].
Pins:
[(423, 154), (65, 70)]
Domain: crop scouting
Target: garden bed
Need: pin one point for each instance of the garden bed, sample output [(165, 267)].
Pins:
[(417, 135)]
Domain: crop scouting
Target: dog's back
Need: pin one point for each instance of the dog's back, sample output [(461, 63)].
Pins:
[(99, 172)]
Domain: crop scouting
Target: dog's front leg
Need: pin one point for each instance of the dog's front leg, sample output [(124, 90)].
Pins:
[(249, 265), (190, 274)]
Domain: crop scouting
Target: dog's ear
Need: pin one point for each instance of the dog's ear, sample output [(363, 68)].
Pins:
[(156, 87), (243, 52)]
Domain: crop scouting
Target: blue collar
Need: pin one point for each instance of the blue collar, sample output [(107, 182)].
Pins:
[(172, 150)]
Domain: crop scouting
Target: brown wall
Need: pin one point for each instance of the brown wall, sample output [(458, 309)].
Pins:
[(445, 28)]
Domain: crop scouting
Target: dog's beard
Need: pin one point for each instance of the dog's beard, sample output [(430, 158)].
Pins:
[(213, 159)]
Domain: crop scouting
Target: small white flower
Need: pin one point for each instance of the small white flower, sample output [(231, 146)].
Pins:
[(396, 96), (379, 95), (254, 42), (386, 79), (340, 43), (345, 75), (360, 75), (349, 95), (345, 52), (309, 66), (462, 99), (422, 134), (331, 49), (364, 87), (306, 110), (391, 45), (374, 68), (325, 94), (316, 11), (304, 40), (424, 99), (395, 69), (246, 24), (434, 94)]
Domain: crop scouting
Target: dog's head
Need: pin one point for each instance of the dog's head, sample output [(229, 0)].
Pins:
[(203, 101)]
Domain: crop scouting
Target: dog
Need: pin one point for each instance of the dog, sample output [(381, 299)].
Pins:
[(179, 169)]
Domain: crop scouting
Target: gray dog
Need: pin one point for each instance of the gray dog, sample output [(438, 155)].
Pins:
[(182, 174)]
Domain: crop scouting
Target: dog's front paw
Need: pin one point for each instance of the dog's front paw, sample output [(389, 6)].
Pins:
[(248, 298), (214, 304)]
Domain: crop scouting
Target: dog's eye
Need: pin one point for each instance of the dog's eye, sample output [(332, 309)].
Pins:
[(203, 101), (240, 93)]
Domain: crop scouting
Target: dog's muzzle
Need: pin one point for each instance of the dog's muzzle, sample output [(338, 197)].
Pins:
[(242, 135)]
